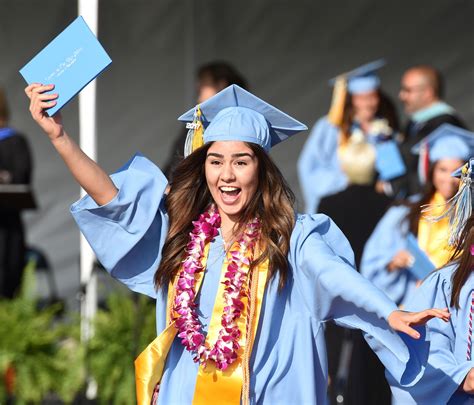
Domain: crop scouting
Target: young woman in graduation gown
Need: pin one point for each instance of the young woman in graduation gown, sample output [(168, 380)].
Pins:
[(242, 284), (359, 110), (449, 375), (386, 260)]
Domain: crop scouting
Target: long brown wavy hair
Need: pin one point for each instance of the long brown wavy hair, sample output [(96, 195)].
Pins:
[(386, 109), (463, 258), (189, 196)]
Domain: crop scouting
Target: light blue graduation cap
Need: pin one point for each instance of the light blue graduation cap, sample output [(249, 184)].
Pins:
[(360, 80), (364, 78), (235, 114), (447, 142)]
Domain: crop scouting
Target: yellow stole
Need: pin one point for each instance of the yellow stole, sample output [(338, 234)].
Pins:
[(211, 383), (433, 236)]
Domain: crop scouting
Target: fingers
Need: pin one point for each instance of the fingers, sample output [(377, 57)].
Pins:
[(39, 100), (37, 88), (29, 89), (442, 313), (420, 318), (436, 313), (410, 331)]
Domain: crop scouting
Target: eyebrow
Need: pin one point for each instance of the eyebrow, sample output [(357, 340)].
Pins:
[(234, 155)]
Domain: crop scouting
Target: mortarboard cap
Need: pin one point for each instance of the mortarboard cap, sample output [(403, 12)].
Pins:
[(235, 114), (362, 79), (447, 142)]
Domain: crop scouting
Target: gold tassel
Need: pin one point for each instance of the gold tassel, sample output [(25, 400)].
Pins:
[(198, 138), (339, 94)]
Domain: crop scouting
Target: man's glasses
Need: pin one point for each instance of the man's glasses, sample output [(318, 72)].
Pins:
[(412, 89)]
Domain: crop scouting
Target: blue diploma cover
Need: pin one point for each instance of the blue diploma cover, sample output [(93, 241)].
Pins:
[(70, 61)]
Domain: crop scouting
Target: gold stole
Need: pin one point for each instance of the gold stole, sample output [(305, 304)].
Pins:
[(433, 236), (211, 383)]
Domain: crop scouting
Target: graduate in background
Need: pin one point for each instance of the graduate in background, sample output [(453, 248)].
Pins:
[(211, 78), (359, 110), (449, 376), (386, 260), (354, 370), (15, 168), (242, 284)]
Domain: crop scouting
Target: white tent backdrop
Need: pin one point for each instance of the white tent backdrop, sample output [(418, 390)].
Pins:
[(287, 49)]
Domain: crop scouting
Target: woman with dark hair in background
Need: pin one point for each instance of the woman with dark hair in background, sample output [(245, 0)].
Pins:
[(449, 375), (243, 284), (386, 260), (15, 168), (356, 375), (211, 79), (360, 111)]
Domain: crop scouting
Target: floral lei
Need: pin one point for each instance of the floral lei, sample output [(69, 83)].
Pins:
[(224, 351)]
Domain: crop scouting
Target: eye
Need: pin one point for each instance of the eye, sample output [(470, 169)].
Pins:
[(241, 163), (215, 162)]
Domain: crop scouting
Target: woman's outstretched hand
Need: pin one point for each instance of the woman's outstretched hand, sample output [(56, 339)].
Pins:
[(39, 102), (402, 321)]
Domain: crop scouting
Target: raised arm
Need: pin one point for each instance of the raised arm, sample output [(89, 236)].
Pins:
[(92, 178)]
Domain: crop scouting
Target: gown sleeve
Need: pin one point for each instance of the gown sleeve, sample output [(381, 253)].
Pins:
[(388, 238), (322, 263), (128, 233), (318, 168), (444, 372)]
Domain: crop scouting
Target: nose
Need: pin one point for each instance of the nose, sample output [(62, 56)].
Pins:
[(227, 174), (401, 94)]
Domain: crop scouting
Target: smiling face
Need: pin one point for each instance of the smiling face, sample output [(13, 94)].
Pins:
[(444, 183), (415, 92), (232, 177), (365, 105)]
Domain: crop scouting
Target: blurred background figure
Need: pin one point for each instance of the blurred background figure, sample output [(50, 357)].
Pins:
[(358, 165), (355, 372), (422, 91), (386, 259), (361, 111), (15, 168), (211, 79)]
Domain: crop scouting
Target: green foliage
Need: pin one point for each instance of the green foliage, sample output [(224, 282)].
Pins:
[(45, 355), (120, 334)]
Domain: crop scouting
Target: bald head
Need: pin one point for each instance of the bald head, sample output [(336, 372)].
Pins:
[(421, 86)]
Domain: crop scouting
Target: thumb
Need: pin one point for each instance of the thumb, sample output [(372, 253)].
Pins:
[(409, 331)]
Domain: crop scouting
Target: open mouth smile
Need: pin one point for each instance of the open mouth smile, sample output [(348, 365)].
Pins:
[(229, 194)]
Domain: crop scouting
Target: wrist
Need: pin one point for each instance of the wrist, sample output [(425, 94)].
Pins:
[(58, 138)]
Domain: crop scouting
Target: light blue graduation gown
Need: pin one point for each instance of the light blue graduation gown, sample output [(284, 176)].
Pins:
[(447, 362), (319, 170), (387, 239), (288, 363)]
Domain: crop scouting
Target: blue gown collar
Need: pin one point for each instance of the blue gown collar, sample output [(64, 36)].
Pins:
[(6, 132), (434, 110)]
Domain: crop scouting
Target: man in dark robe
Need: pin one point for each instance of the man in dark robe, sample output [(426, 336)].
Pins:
[(15, 168), (421, 92)]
